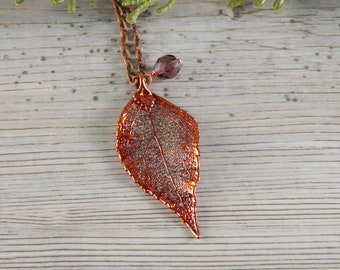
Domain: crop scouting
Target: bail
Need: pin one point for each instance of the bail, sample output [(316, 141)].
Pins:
[(142, 81), (143, 95)]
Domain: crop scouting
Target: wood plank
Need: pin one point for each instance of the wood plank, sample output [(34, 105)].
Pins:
[(264, 88)]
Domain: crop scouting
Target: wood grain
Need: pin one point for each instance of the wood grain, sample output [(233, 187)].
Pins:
[(264, 88)]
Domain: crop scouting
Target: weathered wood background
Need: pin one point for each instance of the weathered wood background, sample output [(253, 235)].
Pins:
[(265, 89)]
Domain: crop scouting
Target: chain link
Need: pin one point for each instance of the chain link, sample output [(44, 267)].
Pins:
[(134, 34)]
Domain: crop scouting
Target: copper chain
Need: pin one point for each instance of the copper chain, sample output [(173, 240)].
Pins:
[(125, 46)]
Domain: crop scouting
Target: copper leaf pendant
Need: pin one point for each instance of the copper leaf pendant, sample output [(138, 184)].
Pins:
[(157, 143)]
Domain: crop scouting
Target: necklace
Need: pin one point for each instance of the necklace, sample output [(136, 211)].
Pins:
[(157, 142)]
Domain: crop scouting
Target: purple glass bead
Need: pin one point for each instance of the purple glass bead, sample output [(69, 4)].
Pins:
[(167, 67)]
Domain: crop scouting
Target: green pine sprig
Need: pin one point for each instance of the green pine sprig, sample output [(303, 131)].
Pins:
[(139, 6), (277, 5), (71, 6)]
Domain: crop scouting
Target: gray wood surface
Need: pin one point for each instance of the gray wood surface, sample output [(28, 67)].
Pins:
[(264, 88)]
